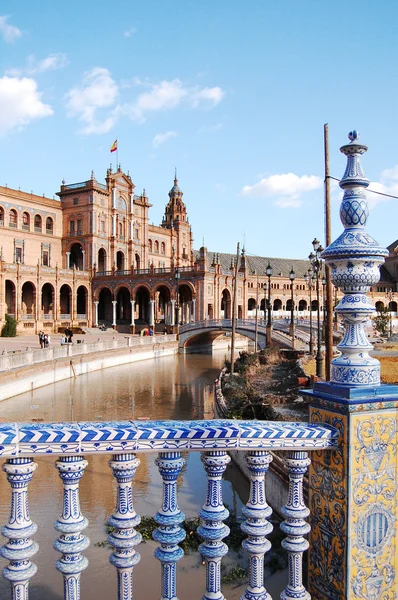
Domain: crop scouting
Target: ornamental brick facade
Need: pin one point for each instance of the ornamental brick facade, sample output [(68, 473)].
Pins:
[(93, 257)]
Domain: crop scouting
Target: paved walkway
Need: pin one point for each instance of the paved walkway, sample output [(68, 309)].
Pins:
[(21, 342)]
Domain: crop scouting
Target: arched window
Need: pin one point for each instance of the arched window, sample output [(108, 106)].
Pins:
[(13, 218), (150, 245), (163, 248), (25, 221), (37, 224), (1, 215), (49, 226), (120, 230), (156, 247)]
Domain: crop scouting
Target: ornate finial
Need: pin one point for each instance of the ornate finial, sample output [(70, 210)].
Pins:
[(92, 175), (110, 168), (175, 176), (354, 260), (144, 193), (63, 182), (119, 168)]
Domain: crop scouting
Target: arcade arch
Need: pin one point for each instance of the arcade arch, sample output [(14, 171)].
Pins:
[(10, 297), (47, 299), (65, 301), (76, 257), (105, 312), (226, 304), (28, 299)]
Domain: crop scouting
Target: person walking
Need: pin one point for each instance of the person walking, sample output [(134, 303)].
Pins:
[(41, 339)]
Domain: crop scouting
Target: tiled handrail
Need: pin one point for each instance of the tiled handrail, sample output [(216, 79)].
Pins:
[(19, 443)]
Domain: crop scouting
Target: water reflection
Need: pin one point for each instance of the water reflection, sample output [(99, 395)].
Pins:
[(169, 388)]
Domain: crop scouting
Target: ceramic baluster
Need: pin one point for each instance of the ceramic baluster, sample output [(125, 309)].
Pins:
[(124, 537), (19, 548), (70, 524), (212, 529), (256, 525), (169, 533), (295, 526)]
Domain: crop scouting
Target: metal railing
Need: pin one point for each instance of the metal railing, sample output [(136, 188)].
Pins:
[(21, 443)]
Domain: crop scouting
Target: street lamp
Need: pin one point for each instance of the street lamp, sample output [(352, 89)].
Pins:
[(390, 296), (310, 283), (291, 277), (323, 309), (177, 276), (316, 262), (268, 272)]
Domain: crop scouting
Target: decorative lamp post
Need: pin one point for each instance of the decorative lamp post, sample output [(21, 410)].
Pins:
[(323, 308), (291, 277), (316, 262), (177, 276), (310, 282), (268, 272), (390, 296)]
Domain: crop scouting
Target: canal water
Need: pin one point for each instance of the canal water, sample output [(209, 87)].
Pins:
[(168, 388)]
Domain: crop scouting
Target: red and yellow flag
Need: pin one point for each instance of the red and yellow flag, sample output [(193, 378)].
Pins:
[(114, 146)]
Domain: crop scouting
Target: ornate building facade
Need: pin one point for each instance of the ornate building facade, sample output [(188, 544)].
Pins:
[(93, 257)]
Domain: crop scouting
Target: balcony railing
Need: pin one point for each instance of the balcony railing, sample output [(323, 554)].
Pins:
[(125, 441), (64, 317), (49, 232)]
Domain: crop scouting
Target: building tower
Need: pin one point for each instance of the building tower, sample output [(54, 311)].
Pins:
[(175, 219)]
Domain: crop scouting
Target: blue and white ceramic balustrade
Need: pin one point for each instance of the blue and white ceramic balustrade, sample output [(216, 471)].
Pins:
[(22, 444), (354, 260)]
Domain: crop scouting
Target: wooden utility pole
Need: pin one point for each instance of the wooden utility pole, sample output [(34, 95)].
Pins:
[(234, 309), (328, 239)]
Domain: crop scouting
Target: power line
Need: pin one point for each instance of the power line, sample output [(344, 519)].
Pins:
[(373, 191)]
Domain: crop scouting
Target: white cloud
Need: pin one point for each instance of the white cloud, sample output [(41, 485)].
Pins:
[(129, 32), (50, 63), (170, 94), (20, 103), (98, 91), (288, 185), (213, 96), (9, 33), (160, 138)]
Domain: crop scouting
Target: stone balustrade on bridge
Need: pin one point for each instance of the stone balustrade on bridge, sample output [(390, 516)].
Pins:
[(23, 444)]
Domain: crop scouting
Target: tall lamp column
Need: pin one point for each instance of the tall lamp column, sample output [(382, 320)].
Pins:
[(291, 277), (310, 282), (316, 262), (177, 276), (269, 314)]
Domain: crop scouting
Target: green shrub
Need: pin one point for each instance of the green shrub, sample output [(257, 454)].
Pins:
[(9, 327)]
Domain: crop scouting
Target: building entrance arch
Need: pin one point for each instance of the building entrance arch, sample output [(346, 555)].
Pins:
[(184, 305), (10, 298), (28, 298), (47, 299), (226, 304), (123, 306), (65, 301), (105, 312), (163, 305), (302, 305), (142, 309), (81, 302)]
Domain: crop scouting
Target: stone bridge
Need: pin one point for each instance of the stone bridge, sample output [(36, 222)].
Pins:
[(205, 332)]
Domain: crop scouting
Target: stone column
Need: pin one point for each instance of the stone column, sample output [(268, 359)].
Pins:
[(68, 260), (132, 313), (114, 304), (173, 312), (152, 312), (96, 302), (193, 314), (353, 491), (84, 260), (113, 225)]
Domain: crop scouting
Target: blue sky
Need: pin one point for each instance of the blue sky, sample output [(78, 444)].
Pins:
[(234, 94)]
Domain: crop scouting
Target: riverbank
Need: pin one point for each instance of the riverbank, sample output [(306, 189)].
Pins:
[(68, 362)]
